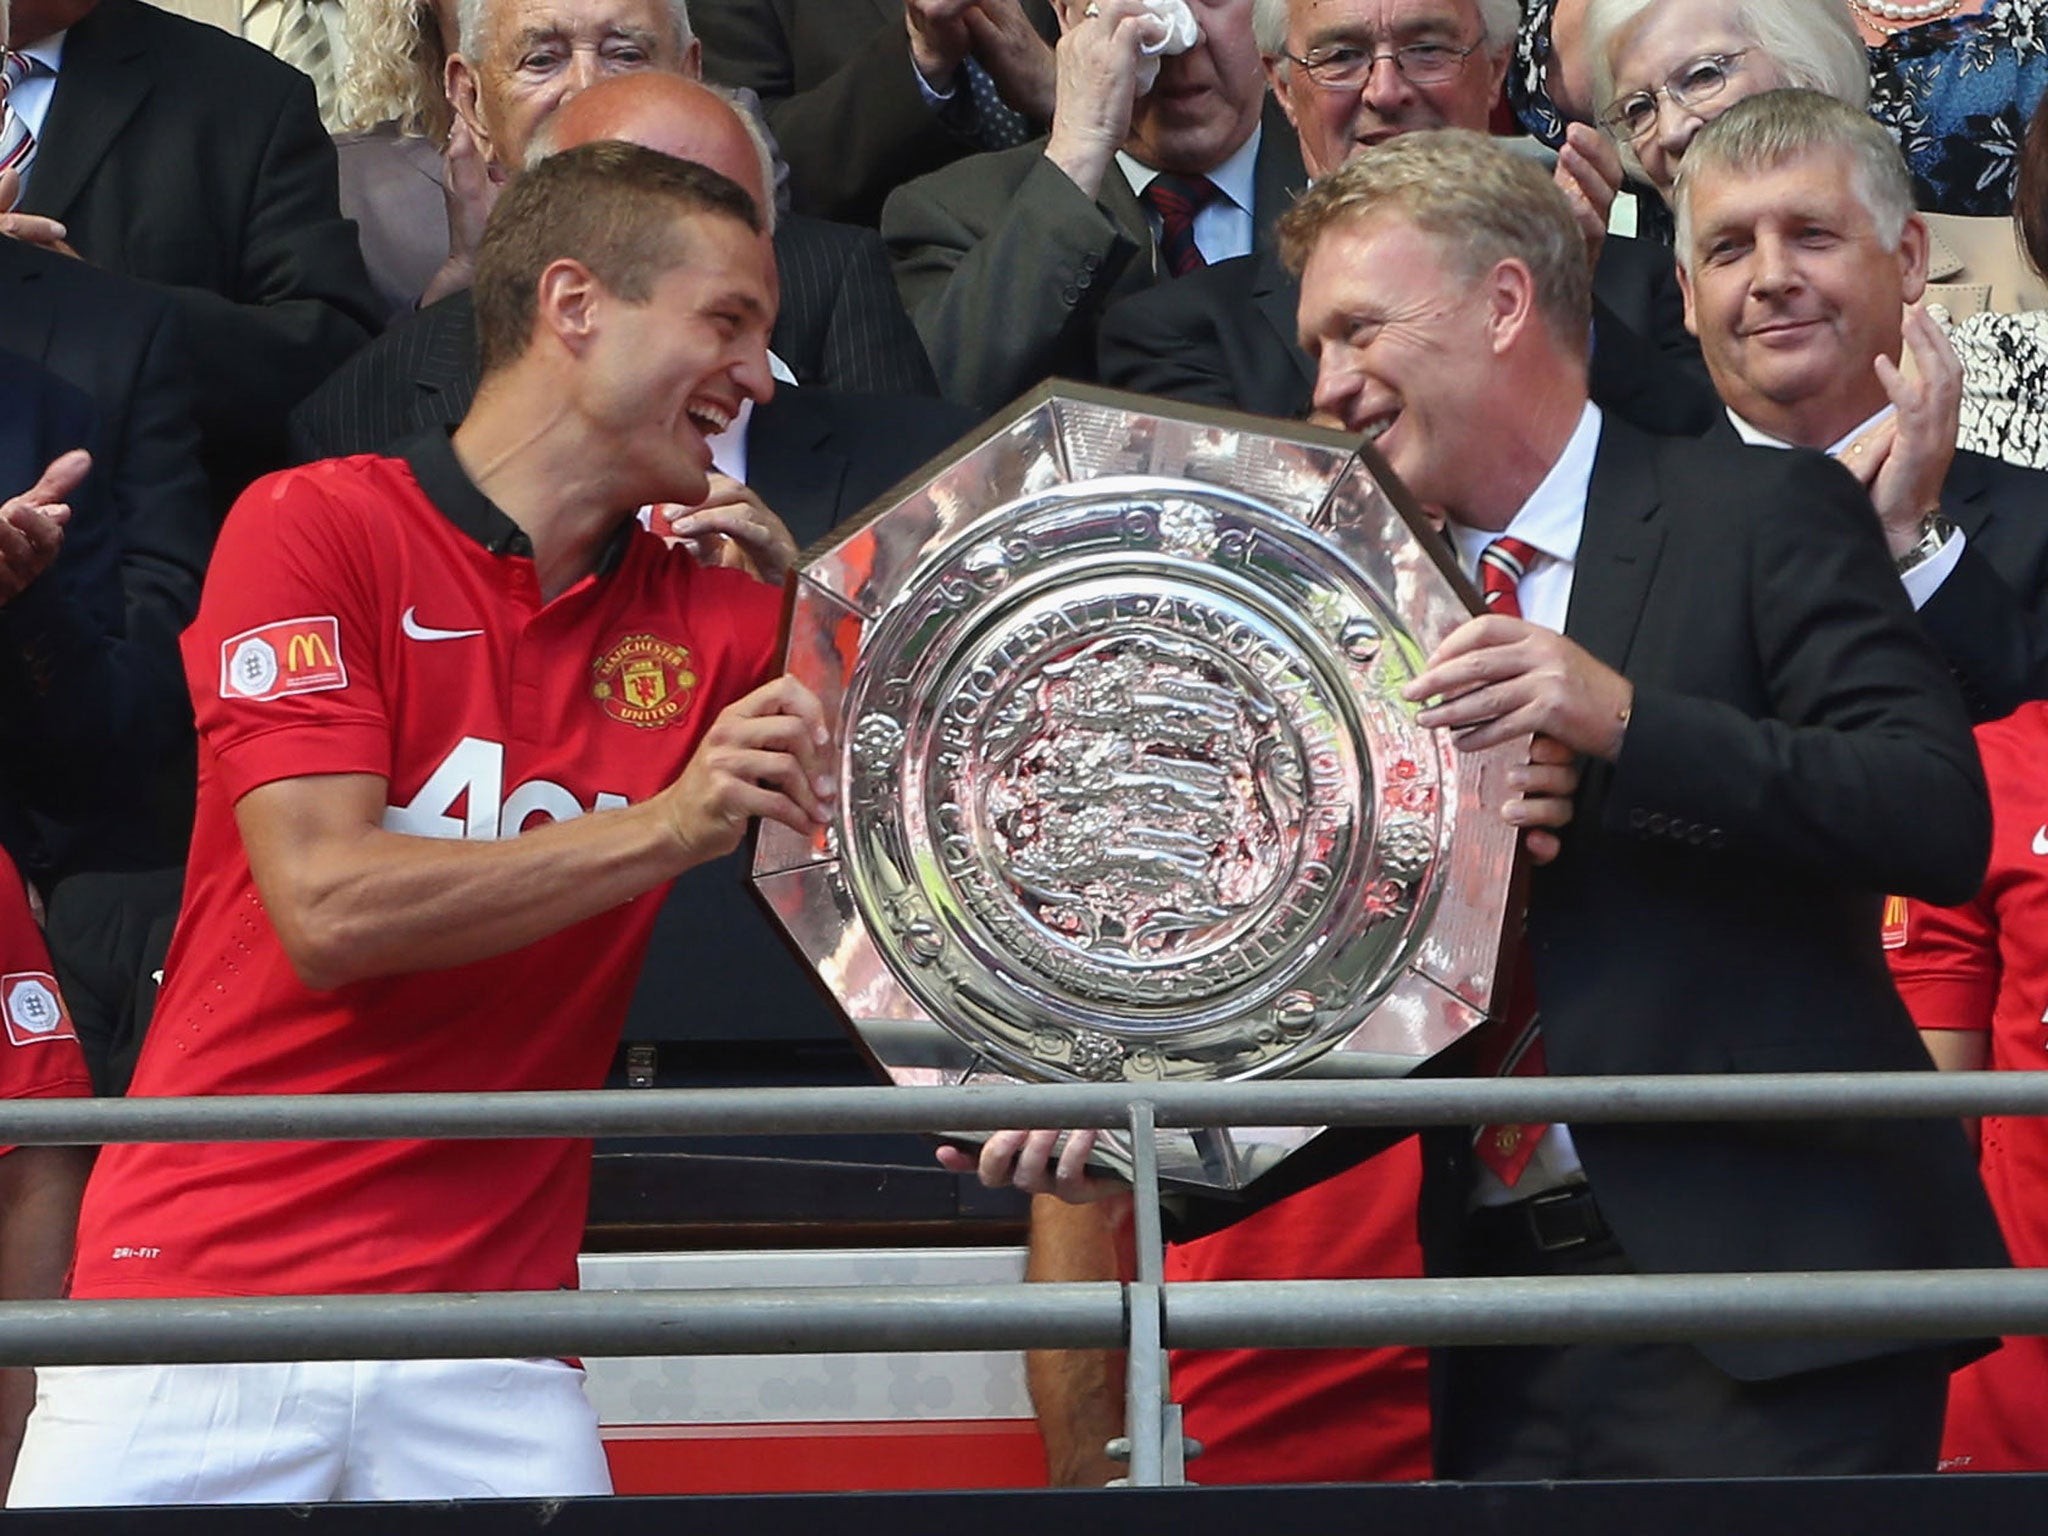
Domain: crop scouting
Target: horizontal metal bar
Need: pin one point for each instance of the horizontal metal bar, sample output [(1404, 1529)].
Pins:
[(1900, 1304), (862, 1319), (729, 1111), (830, 1320)]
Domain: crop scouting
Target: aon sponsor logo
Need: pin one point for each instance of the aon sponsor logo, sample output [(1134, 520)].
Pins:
[(465, 797)]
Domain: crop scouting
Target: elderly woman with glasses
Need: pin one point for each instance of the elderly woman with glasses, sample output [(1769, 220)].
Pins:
[(1953, 79)]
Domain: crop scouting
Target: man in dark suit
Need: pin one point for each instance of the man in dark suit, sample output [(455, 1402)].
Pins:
[(92, 699), (841, 324), (1805, 338), (170, 152), (863, 95), (1226, 336), (1007, 261), (1769, 744)]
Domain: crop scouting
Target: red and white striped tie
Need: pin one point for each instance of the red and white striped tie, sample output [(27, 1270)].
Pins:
[(17, 144), (1502, 565), (1506, 1149)]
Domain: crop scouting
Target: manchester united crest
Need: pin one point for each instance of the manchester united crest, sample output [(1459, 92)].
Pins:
[(643, 680)]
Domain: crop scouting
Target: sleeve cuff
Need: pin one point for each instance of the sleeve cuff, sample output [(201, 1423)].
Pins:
[(1925, 579)]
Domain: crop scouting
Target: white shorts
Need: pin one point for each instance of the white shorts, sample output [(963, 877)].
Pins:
[(308, 1432)]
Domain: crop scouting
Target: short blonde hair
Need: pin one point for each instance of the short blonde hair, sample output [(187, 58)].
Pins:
[(395, 69), (1481, 202)]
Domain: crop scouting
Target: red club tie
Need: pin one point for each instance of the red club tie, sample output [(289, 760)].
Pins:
[(1502, 565), (1177, 199), (1506, 1149)]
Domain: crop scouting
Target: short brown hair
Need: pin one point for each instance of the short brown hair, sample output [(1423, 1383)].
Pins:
[(1483, 203), (613, 207)]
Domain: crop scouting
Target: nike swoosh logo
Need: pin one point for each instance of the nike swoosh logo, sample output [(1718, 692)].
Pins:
[(415, 630), (2041, 842)]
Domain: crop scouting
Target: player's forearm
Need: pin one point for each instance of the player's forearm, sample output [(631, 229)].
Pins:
[(1078, 1394), (383, 903)]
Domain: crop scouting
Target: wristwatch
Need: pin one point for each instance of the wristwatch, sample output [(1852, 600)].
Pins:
[(1935, 530)]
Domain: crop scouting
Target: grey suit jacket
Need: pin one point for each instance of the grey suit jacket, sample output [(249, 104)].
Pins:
[(1006, 267), (840, 94)]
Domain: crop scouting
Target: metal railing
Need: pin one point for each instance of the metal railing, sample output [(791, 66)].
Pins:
[(1146, 1316)]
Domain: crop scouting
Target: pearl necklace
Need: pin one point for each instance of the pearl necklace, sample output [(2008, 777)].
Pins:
[(1888, 11)]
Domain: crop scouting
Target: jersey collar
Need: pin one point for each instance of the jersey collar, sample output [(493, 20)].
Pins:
[(431, 456)]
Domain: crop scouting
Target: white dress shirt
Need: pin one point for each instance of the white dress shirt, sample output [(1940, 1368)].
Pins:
[(30, 100), (1925, 579), (1550, 521), (1224, 227)]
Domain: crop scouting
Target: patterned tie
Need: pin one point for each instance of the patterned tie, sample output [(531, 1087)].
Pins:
[(302, 43), (996, 124), (17, 144), (1177, 199), (1502, 565), (1506, 1149)]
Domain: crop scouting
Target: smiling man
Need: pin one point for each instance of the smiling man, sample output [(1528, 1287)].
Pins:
[(461, 721), (1350, 74), (1770, 744), (1802, 263)]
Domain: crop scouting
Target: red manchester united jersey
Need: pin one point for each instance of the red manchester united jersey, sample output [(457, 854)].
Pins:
[(41, 1058), (1983, 967), (381, 616)]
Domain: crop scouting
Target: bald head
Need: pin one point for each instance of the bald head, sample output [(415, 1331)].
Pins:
[(668, 113)]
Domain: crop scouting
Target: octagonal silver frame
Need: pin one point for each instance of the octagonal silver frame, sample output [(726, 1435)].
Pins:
[(1129, 792)]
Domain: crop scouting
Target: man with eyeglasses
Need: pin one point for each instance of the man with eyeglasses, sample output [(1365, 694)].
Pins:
[(1352, 73)]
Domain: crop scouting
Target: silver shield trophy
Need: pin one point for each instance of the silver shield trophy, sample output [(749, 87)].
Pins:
[(1130, 793)]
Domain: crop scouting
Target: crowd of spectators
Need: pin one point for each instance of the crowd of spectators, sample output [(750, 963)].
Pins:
[(1721, 306)]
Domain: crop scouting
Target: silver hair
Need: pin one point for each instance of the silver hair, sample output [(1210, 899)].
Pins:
[(470, 16), (1814, 43), (1765, 131), (1498, 21)]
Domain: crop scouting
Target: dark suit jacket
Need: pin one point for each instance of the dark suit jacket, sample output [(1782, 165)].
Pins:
[(1990, 617), (92, 692), (842, 324), (1226, 336), (1795, 752), (179, 155), (841, 95), (1007, 268)]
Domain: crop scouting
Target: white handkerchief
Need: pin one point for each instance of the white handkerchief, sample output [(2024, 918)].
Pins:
[(1175, 30)]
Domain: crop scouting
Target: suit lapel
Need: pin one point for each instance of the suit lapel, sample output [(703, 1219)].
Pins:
[(445, 377), (1277, 297), (102, 83), (1277, 178), (1965, 494), (790, 466), (1618, 544)]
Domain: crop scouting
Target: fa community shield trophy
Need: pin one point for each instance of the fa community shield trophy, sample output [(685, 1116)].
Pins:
[(1128, 789)]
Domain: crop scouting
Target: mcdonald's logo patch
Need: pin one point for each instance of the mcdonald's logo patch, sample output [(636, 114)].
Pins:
[(292, 656), (33, 1008), (644, 681), (1893, 931)]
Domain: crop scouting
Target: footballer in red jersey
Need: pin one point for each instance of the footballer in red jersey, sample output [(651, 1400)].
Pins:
[(39, 1186), (1976, 980), (461, 721)]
